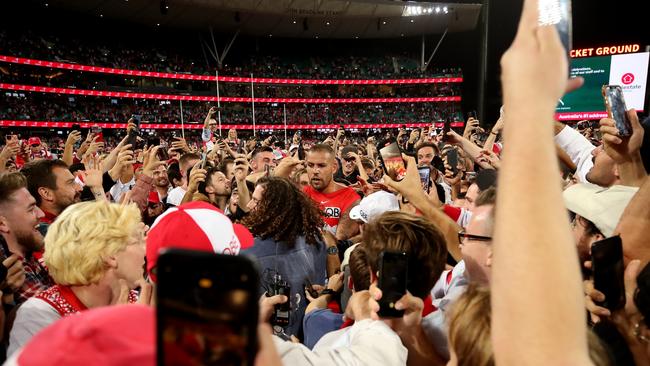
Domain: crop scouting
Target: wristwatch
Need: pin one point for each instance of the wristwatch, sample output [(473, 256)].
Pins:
[(327, 291), (333, 250)]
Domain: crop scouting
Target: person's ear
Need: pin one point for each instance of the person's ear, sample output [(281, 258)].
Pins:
[(209, 189), (4, 225), (111, 262), (46, 194)]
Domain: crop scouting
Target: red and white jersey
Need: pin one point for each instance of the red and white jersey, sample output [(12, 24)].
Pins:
[(332, 204)]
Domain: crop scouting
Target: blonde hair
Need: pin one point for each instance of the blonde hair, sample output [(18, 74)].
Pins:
[(83, 236), (469, 327)]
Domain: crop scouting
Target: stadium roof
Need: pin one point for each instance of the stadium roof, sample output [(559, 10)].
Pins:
[(290, 18)]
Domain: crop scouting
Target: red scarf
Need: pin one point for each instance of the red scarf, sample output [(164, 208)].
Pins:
[(65, 302)]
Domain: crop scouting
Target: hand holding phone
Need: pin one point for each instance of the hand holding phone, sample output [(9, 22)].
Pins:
[(616, 109), (392, 161)]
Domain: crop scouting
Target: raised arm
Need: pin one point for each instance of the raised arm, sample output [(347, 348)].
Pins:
[(411, 188), (534, 254), (68, 150)]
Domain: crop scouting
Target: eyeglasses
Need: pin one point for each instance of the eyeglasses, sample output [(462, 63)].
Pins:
[(462, 235), (36, 145)]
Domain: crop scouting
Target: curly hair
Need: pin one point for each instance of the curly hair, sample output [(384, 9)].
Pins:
[(284, 213)]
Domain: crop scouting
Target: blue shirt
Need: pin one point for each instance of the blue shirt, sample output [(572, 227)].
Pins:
[(295, 265)]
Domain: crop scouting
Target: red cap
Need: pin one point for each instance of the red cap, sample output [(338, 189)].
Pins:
[(195, 226), (154, 197), (34, 141), (105, 336)]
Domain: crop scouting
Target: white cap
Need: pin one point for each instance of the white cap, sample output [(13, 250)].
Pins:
[(374, 205), (602, 206)]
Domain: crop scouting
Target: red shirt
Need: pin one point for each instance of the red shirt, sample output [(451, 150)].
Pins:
[(332, 204)]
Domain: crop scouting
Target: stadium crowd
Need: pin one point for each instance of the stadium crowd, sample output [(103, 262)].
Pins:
[(45, 107), (109, 53), (498, 231)]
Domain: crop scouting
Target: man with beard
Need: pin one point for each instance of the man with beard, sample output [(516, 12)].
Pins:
[(333, 198), (209, 185), (161, 182), (53, 186), (19, 239)]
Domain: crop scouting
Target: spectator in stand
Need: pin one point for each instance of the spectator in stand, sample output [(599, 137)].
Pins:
[(95, 253), (209, 129), (53, 186), (288, 242), (20, 239), (334, 199)]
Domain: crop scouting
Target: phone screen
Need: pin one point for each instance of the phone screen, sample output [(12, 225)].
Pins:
[(446, 128), (393, 269), (97, 131), (207, 309), (425, 177), (137, 119), (557, 13), (607, 267), (301, 152), (616, 109), (394, 165)]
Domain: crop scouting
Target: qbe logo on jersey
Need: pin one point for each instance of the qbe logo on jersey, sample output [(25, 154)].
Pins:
[(332, 212)]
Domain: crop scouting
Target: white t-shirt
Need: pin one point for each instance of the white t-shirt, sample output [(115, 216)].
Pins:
[(367, 342), (32, 317), (175, 196)]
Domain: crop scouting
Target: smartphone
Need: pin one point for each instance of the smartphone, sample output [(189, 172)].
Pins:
[(446, 127), (452, 160), (607, 268), (616, 109), (137, 119), (557, 13), (162, 153), (97, 131), (203, 160), (393, 275), (132, 139), (472, 114), (425, 177), (310, 288), (207, 309), (392, 161), (301, 152)]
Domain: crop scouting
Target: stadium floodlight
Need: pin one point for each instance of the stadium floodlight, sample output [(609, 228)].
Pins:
[(437, 9), (445, 10)]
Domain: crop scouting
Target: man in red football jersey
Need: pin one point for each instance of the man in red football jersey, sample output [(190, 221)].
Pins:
[(333, 198)]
